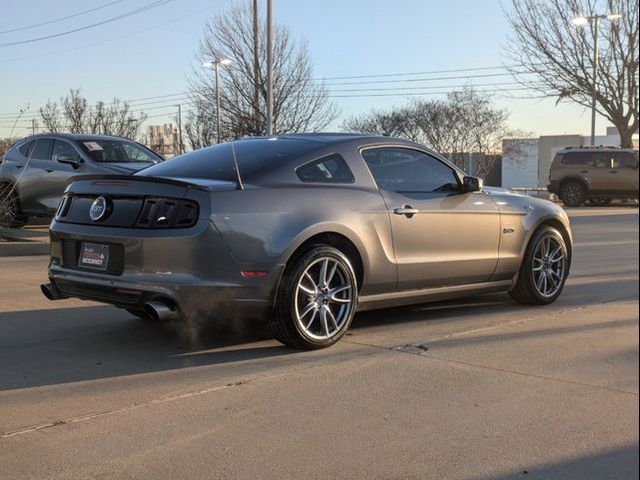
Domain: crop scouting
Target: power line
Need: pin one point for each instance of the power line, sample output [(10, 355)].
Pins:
[(144, 8), (137, 32), (60, 19), (381, 75)]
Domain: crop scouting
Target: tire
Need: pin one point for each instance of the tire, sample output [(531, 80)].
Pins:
[(10, 214), (573, 194), (309, 314), (528, 288), (600, 201)]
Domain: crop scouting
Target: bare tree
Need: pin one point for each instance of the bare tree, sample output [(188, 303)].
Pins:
[(77, 116), (300, 103), (465, 125), (545, 43)]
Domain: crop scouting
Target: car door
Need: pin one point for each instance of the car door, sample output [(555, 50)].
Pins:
[(441, 236), (604, 178), (34, 159), (626, 164), (57, 174)]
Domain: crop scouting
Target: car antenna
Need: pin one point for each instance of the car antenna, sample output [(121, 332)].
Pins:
[(239, 185)]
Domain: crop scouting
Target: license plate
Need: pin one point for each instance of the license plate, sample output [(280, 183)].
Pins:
[(94, 256)]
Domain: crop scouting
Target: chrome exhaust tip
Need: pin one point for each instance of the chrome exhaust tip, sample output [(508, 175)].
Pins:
[(160, 311), (51, 292)]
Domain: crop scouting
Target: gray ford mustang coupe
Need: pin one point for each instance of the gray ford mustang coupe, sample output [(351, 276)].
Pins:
[(302, 230)]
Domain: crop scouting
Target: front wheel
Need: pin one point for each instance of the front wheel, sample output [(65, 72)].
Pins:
[(316, 300), (544, 269)]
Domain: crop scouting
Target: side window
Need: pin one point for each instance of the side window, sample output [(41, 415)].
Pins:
[(409, 171), (331, 169), (603, 160), (27, 149), (625, 160), (63, 149), (42, 150), (581, 159)]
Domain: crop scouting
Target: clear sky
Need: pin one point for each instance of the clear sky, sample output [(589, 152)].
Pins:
[(151, 53)]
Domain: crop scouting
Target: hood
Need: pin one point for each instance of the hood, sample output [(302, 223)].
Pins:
[(123, 168)]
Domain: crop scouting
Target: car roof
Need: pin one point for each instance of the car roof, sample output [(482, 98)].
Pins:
[(76, 136), (599, 148)]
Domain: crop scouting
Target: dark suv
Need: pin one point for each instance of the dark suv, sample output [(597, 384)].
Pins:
[(596, 174), (35, 170)]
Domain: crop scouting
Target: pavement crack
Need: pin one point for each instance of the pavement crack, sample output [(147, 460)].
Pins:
[(418, 352)]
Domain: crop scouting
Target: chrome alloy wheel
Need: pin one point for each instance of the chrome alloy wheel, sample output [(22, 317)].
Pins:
[(549, 265), (323, 298)]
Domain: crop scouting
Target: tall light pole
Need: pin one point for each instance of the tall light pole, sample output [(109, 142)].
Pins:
[(581, 21), (270, 67), (215, 64)]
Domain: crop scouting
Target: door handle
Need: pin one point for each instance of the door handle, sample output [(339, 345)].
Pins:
[(613, 171), (584, 171), (19, 165), (49, 170), (406, 210)]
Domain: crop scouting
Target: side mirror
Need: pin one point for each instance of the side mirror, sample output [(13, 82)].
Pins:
[(472, 184), (69, 160)]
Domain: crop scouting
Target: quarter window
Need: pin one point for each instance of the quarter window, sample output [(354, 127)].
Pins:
[(27, 149), (331, 169), (404, 170)]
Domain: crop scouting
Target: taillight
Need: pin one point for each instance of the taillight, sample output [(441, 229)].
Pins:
[(167, 213), (64, 206)]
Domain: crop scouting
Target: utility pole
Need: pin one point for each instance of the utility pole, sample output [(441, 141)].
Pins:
[(596, 58), (33, 126), (215, 64), (180, 146), (270, 122), (256, 71)]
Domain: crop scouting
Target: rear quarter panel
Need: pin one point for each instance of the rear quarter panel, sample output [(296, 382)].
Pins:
[(265, 226)]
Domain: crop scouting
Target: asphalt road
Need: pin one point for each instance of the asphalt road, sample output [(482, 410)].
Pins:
[(502, 391)]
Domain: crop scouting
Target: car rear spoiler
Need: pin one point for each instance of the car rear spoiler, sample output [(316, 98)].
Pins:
[(135, 178)]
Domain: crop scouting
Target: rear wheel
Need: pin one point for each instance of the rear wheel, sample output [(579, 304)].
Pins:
[(544, 269), (600, 201), (316, 300), (10, 213), (573, 194)]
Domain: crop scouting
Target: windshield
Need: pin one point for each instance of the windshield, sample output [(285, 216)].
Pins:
[(117, 151)]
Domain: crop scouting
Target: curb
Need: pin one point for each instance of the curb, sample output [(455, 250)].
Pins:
[(20, 249)]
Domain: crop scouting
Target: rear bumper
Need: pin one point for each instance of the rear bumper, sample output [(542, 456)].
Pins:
[(191, 269)]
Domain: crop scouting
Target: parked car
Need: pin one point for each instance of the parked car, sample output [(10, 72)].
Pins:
[(35, 170), (302, 230), (594, 174)]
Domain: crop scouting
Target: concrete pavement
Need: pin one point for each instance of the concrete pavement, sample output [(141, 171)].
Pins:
[(87, 391)]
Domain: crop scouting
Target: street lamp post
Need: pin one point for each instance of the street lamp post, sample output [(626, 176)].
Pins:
[(215, 64), (580, 22), (270, 129)]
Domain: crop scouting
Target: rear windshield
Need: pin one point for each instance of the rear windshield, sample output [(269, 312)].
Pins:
[(117, 151), (255, 157)]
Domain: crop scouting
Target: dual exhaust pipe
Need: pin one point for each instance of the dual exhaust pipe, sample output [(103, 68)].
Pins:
[(157, 310)]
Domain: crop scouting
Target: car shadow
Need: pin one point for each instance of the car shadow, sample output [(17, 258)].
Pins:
[(55, 346), (620, 463)]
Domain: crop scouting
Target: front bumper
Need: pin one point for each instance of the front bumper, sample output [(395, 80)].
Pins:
[(191, 269)]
